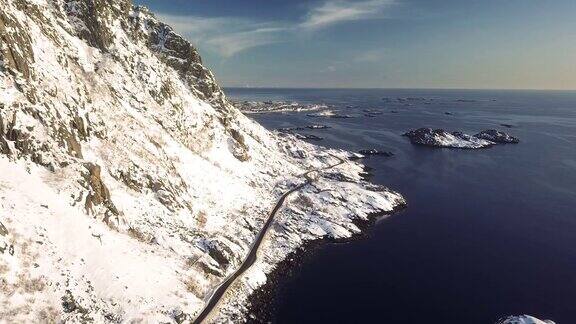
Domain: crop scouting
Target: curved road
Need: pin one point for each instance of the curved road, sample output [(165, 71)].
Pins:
[(251, 257)]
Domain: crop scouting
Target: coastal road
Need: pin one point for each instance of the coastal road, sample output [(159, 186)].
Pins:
[(252, 255)]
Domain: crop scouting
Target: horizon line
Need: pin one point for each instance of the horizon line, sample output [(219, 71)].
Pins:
[(397, 88)]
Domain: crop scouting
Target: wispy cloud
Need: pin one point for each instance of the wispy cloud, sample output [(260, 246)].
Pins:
[(229, 36), (225, 36), (371, 56), (230, 44), (329, 69), (337, 11)]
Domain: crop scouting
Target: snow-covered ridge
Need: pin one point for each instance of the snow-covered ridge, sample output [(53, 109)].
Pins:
[(129, 186)]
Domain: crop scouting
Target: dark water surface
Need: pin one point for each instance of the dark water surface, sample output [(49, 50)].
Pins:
[(487, 233)]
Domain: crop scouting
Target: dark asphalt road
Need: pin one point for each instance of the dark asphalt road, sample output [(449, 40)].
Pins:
[(251, 258)]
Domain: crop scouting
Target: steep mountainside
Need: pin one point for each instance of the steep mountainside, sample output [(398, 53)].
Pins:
[(129, 186)]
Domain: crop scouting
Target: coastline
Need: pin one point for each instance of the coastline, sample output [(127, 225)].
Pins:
[(260, 306)]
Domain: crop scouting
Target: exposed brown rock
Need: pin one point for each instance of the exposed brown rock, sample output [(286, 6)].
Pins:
[(99, 194), (3, 230), (4, 147), (97, 16), (2, 129), (15, 48), (240, 149), (69, 140), (78, 124)]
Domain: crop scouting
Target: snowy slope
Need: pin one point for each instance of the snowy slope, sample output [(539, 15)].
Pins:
[(129, 186)]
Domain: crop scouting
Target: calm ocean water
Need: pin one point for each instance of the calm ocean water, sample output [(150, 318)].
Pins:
[(487, 233)]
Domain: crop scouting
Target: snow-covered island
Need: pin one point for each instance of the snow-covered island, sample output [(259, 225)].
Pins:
[(329, 114), (263, 107), (441, 138), (130, 187), (524, 319)]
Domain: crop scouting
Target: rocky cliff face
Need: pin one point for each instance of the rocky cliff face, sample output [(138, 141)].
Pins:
[(129, 186)]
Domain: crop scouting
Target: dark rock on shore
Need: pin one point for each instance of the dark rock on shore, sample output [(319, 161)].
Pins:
[(342, 116), (308, 137), (301, 128), (376, 152), (317, 127), (290, 129)]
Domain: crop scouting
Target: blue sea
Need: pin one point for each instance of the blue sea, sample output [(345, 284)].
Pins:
[(487, 233)]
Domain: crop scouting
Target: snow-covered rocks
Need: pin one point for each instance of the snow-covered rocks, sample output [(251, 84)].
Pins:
[(523, 319), (498, 137), (362, 154), (374, 152), (329, 114), (442, 138), (317, 126), (310, 137), (261, 107), (129, 186)]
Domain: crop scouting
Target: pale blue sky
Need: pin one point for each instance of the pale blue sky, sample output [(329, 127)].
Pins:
[(494, 44)]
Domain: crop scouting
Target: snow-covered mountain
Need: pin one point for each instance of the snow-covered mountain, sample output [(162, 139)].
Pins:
[(129, 187)]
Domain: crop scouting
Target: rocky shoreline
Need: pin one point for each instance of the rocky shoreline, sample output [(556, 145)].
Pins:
[(261, 302)]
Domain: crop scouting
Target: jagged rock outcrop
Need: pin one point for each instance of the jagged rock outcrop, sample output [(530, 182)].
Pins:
[(98, 193), (92, 19), (179, 54), (15, 46)]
